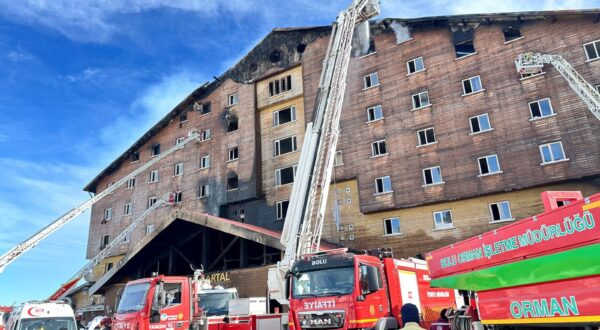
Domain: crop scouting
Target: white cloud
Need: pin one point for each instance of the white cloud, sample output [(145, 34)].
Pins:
[(146, 110), (19, 55), (94, 20), (85, 75)]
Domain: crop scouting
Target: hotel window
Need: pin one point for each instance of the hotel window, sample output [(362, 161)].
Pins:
[(205, 161), (415, 65), (153, 176), (374, 113), (151, 201), (463, 43), (489, 165), (130, 183), (443, 219), (339, 158), (233, 154), (284, 146), (183, 117), (178, 198), (391, 226), (541, 108), (511, 33), (500, 211), (155, 150), (284, 116), (205, 135), (149, 229), (135, 156), (232, 125), (108, 214), (232, 182), (552, 152), (127, 209), (426, 136), (472, 85), (371, 80), (233, 99), (104, 241), (420, 100), (285, 175), (592, 50), (480, 123), (203, 191), (282, 207), (178, 169), (383, 185), (279, 86), (378, 148), (432, 175)]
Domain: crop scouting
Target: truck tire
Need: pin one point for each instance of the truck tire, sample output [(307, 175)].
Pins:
[(386, 323)]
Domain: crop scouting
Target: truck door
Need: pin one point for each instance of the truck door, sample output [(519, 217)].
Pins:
[(175, 313), (375, 304)]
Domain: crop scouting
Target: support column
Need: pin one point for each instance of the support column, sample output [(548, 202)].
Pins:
[(243, 254)]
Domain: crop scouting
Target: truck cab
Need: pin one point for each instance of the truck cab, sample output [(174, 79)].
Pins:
[(42, 315), (349, 291), (160, 302), (338, 291)]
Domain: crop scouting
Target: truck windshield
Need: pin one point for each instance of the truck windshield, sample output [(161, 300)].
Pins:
[(215, 303), (134, 298), (55, 323), (324, 282)]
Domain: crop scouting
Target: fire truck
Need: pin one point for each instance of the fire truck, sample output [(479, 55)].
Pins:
[(179, 302), (539, 271), (341, 290)]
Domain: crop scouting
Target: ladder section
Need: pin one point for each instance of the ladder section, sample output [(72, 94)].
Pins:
[(534, 63), (32, 241)]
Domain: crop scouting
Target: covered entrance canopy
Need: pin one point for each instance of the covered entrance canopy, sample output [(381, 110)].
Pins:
[(187, 240)]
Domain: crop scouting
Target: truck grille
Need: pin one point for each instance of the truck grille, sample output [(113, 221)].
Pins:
[(321, 320)]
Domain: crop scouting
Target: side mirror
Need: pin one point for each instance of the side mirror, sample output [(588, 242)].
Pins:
[(372, 279), (154, 315)]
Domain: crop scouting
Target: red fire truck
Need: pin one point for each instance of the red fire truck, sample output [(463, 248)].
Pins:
[(538, 271), (181, 303), (341, 290)]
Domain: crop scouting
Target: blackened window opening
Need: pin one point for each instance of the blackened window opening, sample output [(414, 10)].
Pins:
[(463, 43)]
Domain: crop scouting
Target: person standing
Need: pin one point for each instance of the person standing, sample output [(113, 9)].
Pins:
[(441, 323), (410, 317)]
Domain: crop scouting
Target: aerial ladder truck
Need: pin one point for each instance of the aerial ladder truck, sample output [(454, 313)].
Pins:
[(336, 289), (14, 253)]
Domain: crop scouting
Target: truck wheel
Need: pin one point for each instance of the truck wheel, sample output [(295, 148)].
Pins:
[(386, 323)]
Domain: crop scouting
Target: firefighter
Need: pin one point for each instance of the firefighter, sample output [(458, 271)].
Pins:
[(410, 317)]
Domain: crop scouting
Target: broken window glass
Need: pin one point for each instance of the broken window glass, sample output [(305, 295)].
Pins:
[(463, 43), (511, 33), (232, 125), (232, 182)]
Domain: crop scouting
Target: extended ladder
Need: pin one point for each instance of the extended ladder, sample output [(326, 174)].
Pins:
[(533, 63), (305, 216), (32, 241)]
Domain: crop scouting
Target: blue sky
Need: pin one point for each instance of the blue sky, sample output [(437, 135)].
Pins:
[(81, 80)]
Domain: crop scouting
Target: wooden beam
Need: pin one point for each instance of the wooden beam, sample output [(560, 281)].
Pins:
[(184, 257), (222, 254)]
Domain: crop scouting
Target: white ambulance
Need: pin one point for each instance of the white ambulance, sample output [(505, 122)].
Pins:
[(42, 315)]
